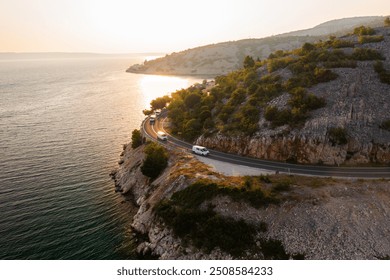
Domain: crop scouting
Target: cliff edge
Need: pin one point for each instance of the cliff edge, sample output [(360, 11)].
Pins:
[(276, 216)]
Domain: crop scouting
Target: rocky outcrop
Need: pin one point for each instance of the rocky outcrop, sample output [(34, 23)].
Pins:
[(318, 218), (300, 149), (340, 220), (129, 180)]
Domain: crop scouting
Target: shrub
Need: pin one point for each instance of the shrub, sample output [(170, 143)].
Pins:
[(322, 75), (366, 54), (307, 48), (385, 125), (363, 30), (278, 63), (387, 21), (277, 117), (384, 75), (156, 160), (273, 250), (337, 44), (264, 178), (338, 135), (370, 39), (136, 138), (282, 186)]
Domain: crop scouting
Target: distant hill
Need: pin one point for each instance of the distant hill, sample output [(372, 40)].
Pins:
[(222, 58), (338, 26)]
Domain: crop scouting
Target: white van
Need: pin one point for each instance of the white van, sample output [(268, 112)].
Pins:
[(199, 150), (152, 119), (162, 136)]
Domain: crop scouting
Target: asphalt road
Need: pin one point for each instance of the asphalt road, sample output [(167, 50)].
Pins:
[(150, 131)]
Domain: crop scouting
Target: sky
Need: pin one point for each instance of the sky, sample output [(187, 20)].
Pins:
[(138, 26)]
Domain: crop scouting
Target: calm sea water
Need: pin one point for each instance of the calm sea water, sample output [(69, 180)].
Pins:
[(63, 122)]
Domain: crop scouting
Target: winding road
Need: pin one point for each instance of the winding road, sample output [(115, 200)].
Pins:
[(150, 131)]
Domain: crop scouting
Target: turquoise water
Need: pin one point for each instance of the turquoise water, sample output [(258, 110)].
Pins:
[(62, 126)]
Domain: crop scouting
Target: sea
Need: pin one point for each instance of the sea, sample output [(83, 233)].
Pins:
[(63, 122)]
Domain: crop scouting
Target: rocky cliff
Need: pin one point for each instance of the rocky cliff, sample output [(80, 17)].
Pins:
[(316, 218)]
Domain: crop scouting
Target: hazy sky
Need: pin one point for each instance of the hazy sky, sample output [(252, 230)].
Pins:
[(111, 26)]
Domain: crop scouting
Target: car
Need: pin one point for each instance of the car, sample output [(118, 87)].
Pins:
[(162, 136), (199, 150), (152, 119)]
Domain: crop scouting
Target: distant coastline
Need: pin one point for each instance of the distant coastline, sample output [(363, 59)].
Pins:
[(68, 55)]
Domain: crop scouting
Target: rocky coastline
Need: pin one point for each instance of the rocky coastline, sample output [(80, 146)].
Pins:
[(320, 218)]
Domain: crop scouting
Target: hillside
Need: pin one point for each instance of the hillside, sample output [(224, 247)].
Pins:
[(324, 103), (225, 57)]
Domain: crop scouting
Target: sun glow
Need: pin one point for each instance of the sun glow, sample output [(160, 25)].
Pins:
[(153, 86), (112, 26)]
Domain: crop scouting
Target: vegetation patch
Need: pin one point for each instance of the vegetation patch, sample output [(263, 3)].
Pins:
[(207, 230), (363, 30), (301, 103), (385, 125), (366, 54), (338, 135), (156, 160), (370, 39), (136, 138), (236, 103), (383, 74)]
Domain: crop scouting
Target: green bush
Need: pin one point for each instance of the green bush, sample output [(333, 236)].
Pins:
[(370, 39), (136, 138), (338, 135), (282, 186), (385, 125), (273, 250), (366, 54), (384, 75), (363, 30), (277, 117), (322, 75), (155, 161), (338, 44), (278, 63)]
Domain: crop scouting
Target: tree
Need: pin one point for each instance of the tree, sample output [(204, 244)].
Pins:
[(136, 138), (249, 62), (155, 161), (192, 100), (307, 48), (160, 102)]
